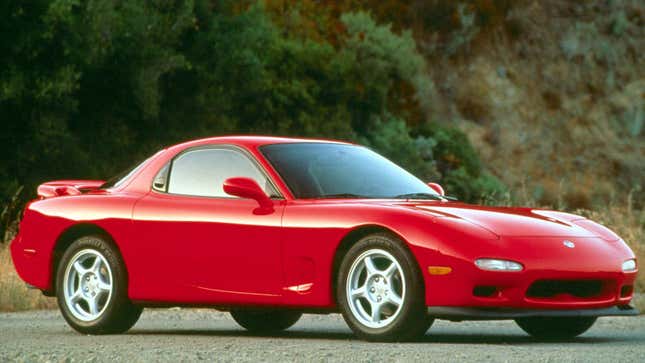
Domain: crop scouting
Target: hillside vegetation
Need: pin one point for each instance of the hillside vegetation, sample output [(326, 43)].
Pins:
[(554, 101)]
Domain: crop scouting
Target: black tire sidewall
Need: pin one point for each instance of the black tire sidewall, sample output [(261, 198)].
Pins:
[(412, 320), (119, 299), (555, 328), (266, 321)]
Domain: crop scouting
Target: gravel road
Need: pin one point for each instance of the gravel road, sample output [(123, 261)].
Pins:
[(199, 334)]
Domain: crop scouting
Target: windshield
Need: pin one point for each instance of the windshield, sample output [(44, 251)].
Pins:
[(327, 170)]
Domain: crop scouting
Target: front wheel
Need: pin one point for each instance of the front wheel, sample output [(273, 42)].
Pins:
[(269, 321), (380, 290), (91, 288), (555, 327)]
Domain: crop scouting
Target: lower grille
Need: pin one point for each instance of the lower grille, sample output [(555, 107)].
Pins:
[(578, 288)]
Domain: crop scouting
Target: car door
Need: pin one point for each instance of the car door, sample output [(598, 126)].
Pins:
[(202, 245)]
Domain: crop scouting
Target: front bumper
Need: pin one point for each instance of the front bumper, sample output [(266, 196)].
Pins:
[(545, 261), (458, 313)]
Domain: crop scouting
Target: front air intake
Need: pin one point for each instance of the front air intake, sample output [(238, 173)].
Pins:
[(545, 289), (626, 290)]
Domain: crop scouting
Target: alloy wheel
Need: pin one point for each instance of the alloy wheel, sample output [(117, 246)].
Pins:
[(375, 288), (88, 285)]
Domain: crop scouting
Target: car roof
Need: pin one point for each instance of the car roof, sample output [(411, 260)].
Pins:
[(252, 141)]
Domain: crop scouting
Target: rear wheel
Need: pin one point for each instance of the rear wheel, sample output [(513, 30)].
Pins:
[(265, 321), (555, 327), (380, 291), (91, 288)]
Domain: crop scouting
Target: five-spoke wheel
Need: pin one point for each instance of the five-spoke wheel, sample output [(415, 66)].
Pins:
[(380, 291), (91, 287), (87, 285), (375, 288)]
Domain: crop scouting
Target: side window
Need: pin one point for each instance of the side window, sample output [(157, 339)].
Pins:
[(202, 172)]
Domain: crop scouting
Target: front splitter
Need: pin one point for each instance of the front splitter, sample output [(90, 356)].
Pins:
[(470, 313)]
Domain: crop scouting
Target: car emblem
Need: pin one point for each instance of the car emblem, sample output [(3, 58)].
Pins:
[(568, 244)]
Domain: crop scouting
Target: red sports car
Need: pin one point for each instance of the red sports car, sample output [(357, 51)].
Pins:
[(269, 228)]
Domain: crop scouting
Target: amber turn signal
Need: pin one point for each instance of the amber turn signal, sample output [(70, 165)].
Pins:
[(439, 270)]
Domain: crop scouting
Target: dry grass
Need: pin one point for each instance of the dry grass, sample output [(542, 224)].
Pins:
[(14, 294), (639, 302)]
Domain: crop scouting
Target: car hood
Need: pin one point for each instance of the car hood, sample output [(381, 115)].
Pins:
[(508, 222)]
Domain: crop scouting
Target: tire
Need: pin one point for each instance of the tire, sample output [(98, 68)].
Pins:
[(265, 321), (392, 277), (91, 270), (555, 327)]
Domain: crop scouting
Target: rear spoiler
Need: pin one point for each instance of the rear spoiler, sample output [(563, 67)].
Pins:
[(59, 188)]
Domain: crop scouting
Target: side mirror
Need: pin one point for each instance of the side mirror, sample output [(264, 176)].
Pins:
[(437, 188), (247, 188)]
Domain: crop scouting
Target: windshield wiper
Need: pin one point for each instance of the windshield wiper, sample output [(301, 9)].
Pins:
[(401, 196), (419, 196)]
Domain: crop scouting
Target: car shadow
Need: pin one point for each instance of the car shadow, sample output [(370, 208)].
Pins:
[(509, 339), (444, 338), (291, 334)]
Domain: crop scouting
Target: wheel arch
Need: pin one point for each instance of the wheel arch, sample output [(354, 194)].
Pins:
[(66, 238), (354, 236)]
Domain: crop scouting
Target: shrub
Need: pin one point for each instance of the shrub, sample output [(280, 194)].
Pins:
[(459, 165), (377, 60), (436, 153), (391, 137)]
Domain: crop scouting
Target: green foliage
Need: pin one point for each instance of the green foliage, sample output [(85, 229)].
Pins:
[(459, 166), (482, 188), (378, 58), (251, 73), (391, 137), (443, 28), (87, 87), (436, 153)]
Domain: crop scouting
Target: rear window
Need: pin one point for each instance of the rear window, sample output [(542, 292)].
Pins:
[(120, 178)]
